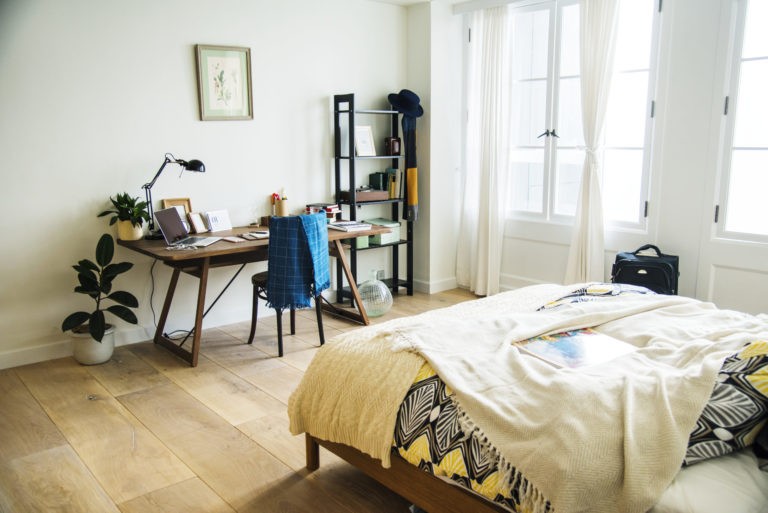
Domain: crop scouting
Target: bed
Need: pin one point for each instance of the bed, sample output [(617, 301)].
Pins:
[(445, 409)]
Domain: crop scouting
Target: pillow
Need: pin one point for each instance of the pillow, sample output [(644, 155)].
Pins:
[(737, 409), (761, 448)]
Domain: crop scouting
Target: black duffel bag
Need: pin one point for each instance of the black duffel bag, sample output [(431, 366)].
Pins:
[(657, 272)]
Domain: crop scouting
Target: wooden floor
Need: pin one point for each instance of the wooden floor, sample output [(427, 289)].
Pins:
[(146, 433)]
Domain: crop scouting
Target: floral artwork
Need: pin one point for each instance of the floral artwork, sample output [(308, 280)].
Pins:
[(224, 82)]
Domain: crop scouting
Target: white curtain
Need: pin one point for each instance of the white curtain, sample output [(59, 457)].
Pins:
[(599, 19), (478, 259)]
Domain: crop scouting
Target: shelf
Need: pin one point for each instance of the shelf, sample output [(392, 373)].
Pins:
[(389, 282), (372, 202), (373, 158), (368, 111), (377, 246)]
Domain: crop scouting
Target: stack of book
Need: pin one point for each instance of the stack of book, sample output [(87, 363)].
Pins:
[(330, 209), (349, 226)]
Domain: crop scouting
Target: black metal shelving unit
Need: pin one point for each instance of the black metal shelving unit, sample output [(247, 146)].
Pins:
[(344, 107)]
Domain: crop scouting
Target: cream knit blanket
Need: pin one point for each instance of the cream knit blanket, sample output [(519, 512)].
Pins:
[(609, 438)]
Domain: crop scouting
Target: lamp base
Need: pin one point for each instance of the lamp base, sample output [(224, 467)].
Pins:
[(156, 235)]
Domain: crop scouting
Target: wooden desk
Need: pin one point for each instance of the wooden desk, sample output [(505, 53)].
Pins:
[(197, 263)]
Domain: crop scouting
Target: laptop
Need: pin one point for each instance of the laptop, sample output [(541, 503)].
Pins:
[(176, 233)]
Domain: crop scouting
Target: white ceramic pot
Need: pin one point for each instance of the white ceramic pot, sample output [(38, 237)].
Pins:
[(126, 231), (89, 351)]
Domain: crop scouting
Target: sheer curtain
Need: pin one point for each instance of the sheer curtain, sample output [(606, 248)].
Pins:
[(478, 259), (597, 36)]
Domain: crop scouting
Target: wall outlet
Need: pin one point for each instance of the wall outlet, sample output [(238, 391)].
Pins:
[(380, 274)]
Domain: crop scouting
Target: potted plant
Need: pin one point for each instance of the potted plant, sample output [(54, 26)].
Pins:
[(94, 337), (129, 213)]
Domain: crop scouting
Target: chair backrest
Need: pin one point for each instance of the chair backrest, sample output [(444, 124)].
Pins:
[(298, 260)]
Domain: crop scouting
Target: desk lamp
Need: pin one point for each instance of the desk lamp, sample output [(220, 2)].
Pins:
[(191, 165)]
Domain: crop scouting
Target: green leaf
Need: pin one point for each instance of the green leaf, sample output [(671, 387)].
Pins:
[(87, 264), (124, 298), (88, 281), (105, 250), (74, 320), (124, 313), (113, 270), (106, 285), (96, 325)]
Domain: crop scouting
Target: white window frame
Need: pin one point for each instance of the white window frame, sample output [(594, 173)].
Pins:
[(729, 109), (548, 216)]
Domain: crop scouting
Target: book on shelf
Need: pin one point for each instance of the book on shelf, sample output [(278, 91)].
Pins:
[(349, 226), (577, 348), (330, 209)]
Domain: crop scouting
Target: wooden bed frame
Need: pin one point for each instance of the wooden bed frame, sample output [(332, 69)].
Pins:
[(428, 492)]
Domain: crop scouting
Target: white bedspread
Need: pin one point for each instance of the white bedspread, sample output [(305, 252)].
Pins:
[(608, 438)]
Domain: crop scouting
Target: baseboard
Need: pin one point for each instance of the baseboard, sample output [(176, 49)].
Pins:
[(62, 347)]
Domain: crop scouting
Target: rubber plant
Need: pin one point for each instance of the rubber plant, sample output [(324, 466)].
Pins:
[(127, 208), (96, 282)]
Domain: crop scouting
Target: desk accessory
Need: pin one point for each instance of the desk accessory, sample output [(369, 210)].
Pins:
[(129, 213), (218, 220), (192, 165), (196, 222)]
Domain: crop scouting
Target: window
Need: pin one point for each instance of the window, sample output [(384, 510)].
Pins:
[(745, 161), (547, 140)]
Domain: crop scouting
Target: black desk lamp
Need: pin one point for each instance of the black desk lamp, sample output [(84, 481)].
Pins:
[(191, 165)]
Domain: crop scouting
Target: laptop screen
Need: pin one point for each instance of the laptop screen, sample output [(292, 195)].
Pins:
[(171, 226)]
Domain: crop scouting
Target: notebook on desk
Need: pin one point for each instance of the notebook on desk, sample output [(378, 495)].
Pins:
[(176, 233)]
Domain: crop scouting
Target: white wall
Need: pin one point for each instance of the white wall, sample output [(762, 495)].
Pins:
[(94, 94)]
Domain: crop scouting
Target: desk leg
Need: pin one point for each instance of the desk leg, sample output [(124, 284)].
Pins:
[(166, 307), (200, 310), (362, 316)]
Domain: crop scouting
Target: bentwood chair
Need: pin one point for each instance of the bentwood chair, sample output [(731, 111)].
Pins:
[(298, 271)]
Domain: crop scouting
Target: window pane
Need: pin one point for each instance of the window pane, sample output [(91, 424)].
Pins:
[(752, 105), (530, 31), (626, 115), (527, 183), (529, 104), (633, 43), (569, 113), (755, 36), (746, 194), (569, 41), (622, 185), (569, 166)]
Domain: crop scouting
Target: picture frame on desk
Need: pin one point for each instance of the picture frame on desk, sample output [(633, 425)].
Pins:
[(197, 222), (224, 82), (178, 202)]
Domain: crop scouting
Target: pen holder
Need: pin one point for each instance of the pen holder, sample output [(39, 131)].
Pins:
[(281, 209)]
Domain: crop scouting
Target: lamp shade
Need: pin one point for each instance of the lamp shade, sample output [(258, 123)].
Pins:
[(195, 166)]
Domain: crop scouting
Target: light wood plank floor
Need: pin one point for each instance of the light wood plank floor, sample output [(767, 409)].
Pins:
[(146, 433)]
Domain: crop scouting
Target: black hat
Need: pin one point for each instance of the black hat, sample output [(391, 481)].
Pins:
[(406, 102)]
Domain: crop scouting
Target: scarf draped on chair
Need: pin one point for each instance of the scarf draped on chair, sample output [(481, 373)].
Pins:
[(298, 261)]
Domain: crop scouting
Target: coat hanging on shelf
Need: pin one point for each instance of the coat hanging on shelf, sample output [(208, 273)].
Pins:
[(407, 103)]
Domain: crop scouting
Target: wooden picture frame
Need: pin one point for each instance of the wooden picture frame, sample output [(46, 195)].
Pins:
[(178, 202), (224, 82)]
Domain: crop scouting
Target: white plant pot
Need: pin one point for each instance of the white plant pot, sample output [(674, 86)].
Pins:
[(126, 231), (89, 351)]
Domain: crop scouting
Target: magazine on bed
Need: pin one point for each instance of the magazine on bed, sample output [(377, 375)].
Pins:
[(577, 348)]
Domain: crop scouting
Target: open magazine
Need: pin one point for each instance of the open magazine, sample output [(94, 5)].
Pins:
[(577, 348)]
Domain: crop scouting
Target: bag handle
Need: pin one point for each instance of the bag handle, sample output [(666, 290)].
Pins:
[(648, 246)]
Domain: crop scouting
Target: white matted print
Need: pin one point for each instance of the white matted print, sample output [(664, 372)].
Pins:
[(224, 82)]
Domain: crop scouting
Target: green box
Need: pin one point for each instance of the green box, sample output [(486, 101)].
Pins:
[(385, 238), (361, 242)]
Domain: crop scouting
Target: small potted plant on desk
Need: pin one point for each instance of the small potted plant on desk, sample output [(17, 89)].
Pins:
[(129, 213), (94, 338)]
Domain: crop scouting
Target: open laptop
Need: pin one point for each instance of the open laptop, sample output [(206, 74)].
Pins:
[(176, 233)]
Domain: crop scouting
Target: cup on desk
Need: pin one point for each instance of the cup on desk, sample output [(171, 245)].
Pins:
[(281, 209)]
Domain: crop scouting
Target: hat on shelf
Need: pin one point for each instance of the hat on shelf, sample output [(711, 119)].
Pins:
[(407, 103)]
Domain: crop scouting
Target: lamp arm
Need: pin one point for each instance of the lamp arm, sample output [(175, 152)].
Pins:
[(148, 190)]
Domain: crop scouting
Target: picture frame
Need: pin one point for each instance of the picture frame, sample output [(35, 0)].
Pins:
[(364, 146), (224, 82), (197, 222), (178, 202)]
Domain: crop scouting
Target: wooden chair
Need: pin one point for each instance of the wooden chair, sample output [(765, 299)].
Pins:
[(276, 261)]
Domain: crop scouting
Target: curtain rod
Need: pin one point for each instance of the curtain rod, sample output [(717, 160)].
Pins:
[(476, 5)]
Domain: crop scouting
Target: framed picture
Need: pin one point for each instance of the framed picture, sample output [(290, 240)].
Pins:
[(224, 82), (364, 146), (197, 222), (179, 202)]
